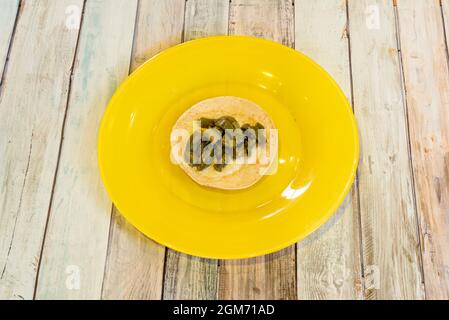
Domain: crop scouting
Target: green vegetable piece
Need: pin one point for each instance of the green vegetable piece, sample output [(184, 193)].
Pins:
[(244, 140), (258, 126), (260, 138), (207, 123), (219, 166), (193, 150), (227, 122), (201, 166)]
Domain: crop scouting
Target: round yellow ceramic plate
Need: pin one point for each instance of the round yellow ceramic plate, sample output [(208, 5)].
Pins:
[(318, 148)]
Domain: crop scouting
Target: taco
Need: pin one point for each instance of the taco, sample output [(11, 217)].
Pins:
[(227, 143)]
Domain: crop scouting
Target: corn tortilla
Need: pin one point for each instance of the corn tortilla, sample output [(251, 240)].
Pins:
[(234, 176)]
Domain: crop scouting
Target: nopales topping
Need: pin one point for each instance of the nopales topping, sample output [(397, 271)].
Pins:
[(218, 141)]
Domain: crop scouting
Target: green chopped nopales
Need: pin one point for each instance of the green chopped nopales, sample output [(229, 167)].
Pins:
[(218, 131)]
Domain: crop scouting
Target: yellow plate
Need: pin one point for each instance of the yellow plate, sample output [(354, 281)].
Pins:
[(318, 148)]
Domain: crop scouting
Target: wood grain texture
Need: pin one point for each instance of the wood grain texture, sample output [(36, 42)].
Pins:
[(272, 276), (329, 262), (269, 19), (159, 26), (188, 277), (8, 14), (135, 264), (426, 77), (77, 234), (267, 277), (206, 18), (391, 256), (445, 14), (32, 108)]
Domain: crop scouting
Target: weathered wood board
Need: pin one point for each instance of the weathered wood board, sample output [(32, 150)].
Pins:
[(329, 262), (30, 137), (135, 264), (188, 277), (426, 75), (272, 276), (8, 18), (390, 243), (76, 241)]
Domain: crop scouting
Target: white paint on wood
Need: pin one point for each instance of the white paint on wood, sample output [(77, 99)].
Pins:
[(32, 107), (271, 276), (188, 277), (269, 19), (445, 13), (135, 264), (329, 264), (206, 18), (77, 234), (427, 82), (389, 226), (159, 26), (8, 13)]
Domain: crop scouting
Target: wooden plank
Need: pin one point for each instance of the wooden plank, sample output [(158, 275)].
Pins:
[(445, 13), (159, 26), (206, 18), (8, 15), (329, 264), (32, 108), (78, 228), (272, 276), (135, 264), (267, 19), (391, 256), (426, 78), (188, 277)]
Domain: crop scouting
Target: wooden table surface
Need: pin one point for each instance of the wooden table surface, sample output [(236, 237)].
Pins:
[(60, 235)]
